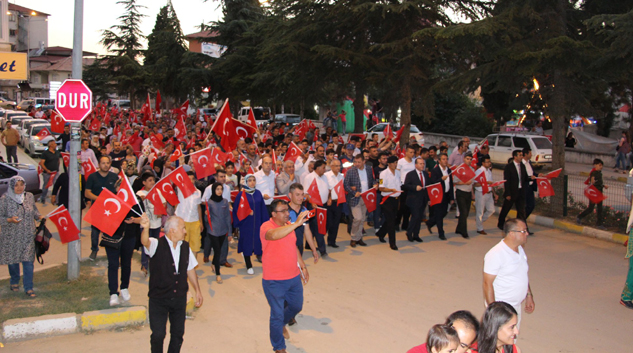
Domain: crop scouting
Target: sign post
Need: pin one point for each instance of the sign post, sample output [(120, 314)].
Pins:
[(74, 103)]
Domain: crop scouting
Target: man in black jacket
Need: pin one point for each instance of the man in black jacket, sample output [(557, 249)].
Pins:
[(170, 269), (516, 178), (441, 174), (415, 183)]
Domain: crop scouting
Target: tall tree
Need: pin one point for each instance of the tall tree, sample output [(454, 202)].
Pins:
[(124, 40)]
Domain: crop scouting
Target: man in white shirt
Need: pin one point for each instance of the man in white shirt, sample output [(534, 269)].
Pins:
[(506, 269), (484, 204), (463, 197), (266, 181), (189, 210), (334, 210), (390, 187), (322, 183), (530, 202), (405, 165)]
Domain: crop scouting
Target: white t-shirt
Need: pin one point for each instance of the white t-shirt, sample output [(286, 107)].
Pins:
[(266, 184), (333, 180), (405, 167), (188, 208), (511, 269), (390, 180), (322, 184)]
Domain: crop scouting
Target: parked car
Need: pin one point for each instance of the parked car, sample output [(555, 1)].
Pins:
[(8, 115), (380, 128), (34, 101), (15, 120), (289, 119), (502, 145), (33, 144), (25, 126), (262, 115), (6, 104), (26, 171), (122, 104)]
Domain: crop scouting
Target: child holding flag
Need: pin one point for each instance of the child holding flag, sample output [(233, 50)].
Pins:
[(595, 179)]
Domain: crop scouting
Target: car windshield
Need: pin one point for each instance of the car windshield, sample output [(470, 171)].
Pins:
[(378, 128), (414, 129), (293, 119), (542, 143), (38, 128)]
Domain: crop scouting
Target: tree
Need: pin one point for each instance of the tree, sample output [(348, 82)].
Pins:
[(99, 78), (124, 40)]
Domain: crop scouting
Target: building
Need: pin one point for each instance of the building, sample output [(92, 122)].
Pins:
[(28, 28), (203, 42)]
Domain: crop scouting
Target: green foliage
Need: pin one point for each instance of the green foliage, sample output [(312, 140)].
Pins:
[(98, 77)]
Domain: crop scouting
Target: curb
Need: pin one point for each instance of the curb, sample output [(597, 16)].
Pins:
[(35, 327), (111, 318), (572, 228)]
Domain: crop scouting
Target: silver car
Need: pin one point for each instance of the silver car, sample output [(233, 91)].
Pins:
[(25, 126), (33, 144), (26, 171)]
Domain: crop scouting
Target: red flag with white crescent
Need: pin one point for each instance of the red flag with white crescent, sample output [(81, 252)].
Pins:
[(168, 192), (594, 195), (181, 180), (65, 225), (481, 179), (388, 132), (203, 163), (399, 134), (369, 197), (435, 193), (293, 152), (321, 214), (497, 183), (554, 173), (107, 212), (223, 127), (244, 209), (544, 187), (154, 196), (251, 119), (51, 178), (242, 130), (156, 142), (340, 192), (88, 168), (176, 154), (66, 158), (57, 123), (180, 129), (126, 193), (43, 133), (464, 173), (313, 191)]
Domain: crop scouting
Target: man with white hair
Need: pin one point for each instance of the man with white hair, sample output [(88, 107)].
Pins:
[(286, 178)]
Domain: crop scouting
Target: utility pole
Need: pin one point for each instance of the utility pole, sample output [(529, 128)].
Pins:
[(74, 192)]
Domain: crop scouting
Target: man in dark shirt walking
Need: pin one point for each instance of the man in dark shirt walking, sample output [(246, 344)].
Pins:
[(118, 155), (96, 182), (50, 167), (595, 179)]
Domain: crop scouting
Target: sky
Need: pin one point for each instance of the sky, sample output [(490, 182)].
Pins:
[(101, 14)]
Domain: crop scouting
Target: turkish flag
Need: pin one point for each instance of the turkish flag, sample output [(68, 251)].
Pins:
[(223, 127), (435, 193), (243, 130), (168, 192), (181, 180), (57, 123), (176, 154), (293, 152), (43, 133), (388, 132), (554, 173), (158, 101), (203, 163), (311, 213), (282, 197), (340, 192), (251, 170), (464, 172), (485, 143), (66, 158), (369, 197), (65, 225), (399, 134), (88, 168), (594, 195), (107, 212), (95, 124), (321, 214), (481, 179), (544, 187), (126, 193), (473, 162), (251, 119), (234, 195), (218, 157), (180, 129), (51, 178), (184, 107), (497, 183), (313, 191), (154, 197), (157, 142), (209, 216), (244, 209)]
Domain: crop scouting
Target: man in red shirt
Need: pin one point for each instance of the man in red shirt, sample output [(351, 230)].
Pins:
[(284, 270)]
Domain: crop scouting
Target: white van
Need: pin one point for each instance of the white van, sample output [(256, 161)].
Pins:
[(502, 145), (262, 115)]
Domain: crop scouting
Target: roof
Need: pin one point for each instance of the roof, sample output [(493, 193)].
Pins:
[(64, 64), (202, 34), (18, 8), (56, 52)]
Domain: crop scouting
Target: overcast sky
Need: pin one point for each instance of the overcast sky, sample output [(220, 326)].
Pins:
[(101, 14)]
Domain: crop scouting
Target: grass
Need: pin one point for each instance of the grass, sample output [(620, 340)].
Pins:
[(55, 294)]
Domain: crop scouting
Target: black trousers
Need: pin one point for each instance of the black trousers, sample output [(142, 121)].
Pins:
[(439, 212), (403, 211), (519, 204), (588, 211), (174, 309), (314, 228), (389, 210), (122, 257), (334, 213), (417, 215), (216, 244), (530, 202), (464, 199)]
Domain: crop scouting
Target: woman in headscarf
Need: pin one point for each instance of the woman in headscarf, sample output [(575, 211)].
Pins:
[(220, 215), (17, 233), (250, 242)]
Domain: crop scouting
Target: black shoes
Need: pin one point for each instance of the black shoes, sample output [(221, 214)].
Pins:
[(361, 243), (393, 247), (410, 237), (429, 228), (382, 239), (418, 239), (442, 237), (333, 245)]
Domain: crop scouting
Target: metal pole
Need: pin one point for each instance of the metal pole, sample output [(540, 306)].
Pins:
[(74, 193)]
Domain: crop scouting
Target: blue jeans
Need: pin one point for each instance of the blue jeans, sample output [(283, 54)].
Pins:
[(27, 268), (153, 233), (45, 178), (278, 294), (621, 157)]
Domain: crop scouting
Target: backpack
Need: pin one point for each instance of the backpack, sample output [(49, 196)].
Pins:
[(42, 241)]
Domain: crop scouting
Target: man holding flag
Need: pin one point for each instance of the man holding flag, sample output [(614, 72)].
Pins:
[(484, 202), (50, 168), (358, 180), (595, 180), (390, 186)]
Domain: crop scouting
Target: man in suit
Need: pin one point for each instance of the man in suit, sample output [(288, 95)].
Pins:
[(441, 174), (358, 179), (516, 178), (415, 183)]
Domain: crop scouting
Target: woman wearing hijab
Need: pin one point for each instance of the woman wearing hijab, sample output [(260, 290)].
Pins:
[(220, 215), (17, 233), (250, 242)]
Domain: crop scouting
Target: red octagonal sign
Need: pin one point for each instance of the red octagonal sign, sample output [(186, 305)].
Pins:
[(74, 100)]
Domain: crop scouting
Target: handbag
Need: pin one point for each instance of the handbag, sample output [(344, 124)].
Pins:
[(42, 241), (110, 242)]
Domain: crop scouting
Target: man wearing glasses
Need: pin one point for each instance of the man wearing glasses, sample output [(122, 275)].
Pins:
[(283, 270), (506, 269)]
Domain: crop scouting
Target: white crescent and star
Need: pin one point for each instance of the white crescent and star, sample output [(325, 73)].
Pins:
[(114, 201), (181, 177), (65, 220), (224, 132), (372, 198), (433, 190), (168, 191), (205, 158), (243, 129), (124, 192), (321, 217), (592, 192)]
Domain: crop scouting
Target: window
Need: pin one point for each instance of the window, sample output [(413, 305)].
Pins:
[(520, 142), (492, 140), (414, 130), (378, 128), (12, 32), (505, 141), (542, 143)]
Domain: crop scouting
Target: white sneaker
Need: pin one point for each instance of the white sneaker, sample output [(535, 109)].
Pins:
[(114, 300), (125, 295), (250, 271)]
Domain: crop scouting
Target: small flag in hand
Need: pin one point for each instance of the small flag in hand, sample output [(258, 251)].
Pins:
[(594, 195), (340, 192), (313, 191), (244, 209), (544, 187), (107, 212), (322, 219), (435, 193), (369, 197), (65, 225)]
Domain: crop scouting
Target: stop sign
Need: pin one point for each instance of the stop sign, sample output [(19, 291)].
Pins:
[(74, 100)]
